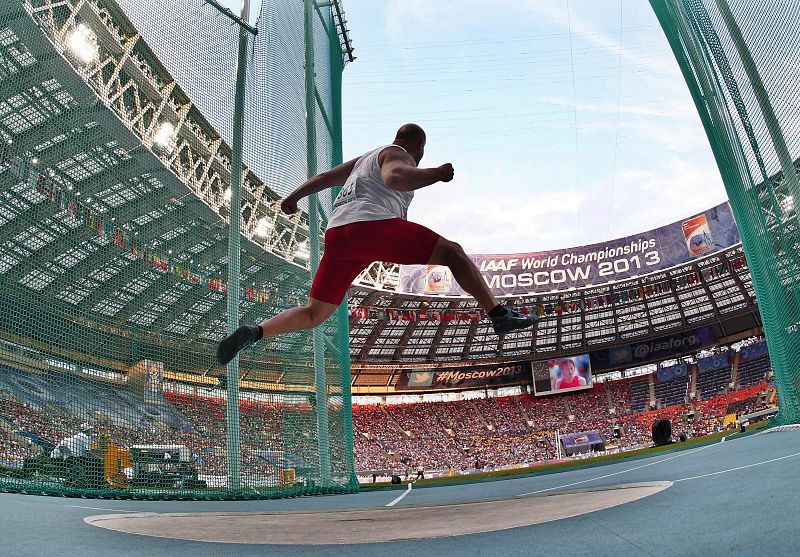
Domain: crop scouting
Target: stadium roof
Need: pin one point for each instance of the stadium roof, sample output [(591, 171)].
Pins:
[(111, 220), (114, 184)]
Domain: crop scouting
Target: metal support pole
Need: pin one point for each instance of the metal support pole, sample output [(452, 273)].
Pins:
[(234, 254), (320, 378), (341, 315)]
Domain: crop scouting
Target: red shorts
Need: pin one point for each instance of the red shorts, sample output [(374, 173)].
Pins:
[(351, 248)]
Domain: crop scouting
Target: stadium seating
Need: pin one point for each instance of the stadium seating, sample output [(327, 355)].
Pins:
[(513, 413), (670, 393), (86, 398), (619, 395), (713, 382), (640, 393), (754, 371), (462, 434)]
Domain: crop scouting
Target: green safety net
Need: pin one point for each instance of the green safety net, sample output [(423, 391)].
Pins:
[(117, 133), (740, 60)]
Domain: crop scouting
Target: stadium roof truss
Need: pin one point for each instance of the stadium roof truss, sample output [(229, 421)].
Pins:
[(91, 129)]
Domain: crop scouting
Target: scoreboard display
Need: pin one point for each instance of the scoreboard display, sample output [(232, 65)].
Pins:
[(562, 375)]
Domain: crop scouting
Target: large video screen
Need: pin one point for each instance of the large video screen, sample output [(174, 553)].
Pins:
[(562, 375)]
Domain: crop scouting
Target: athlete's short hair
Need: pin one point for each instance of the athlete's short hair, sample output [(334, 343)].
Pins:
[(566, 361), (410, 132)]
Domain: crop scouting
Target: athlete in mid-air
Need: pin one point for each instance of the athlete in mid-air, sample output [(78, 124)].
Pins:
[(369, 224)]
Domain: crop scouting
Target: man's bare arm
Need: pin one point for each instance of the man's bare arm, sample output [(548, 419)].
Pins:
[(334, 177), (399, 172)]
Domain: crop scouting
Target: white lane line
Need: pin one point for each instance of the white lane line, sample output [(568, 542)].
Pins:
[(400, 498), (683, 453), (737, 468), (102, 509)]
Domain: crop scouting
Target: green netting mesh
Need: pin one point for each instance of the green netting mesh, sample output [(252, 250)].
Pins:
[(116, 133), (741, 61)]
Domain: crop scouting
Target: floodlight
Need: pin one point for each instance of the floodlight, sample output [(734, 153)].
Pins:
[(165, 135), (302, 251), (263, 227), (787, 204), (83, 44)]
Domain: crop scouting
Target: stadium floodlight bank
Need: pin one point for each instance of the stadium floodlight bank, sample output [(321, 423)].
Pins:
[(122, 162)]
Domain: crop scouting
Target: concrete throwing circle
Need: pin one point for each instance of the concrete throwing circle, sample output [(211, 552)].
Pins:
[(374, 525)]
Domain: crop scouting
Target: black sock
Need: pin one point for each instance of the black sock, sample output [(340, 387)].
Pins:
[(498, 311), (260, 333)]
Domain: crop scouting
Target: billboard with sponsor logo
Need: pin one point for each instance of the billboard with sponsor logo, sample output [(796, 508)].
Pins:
[(714, 362), (623, 258), (669, 373), (630, 355), (584, 441), (464, 378)]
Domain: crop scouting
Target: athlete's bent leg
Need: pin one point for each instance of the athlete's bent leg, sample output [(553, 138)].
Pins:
[(334, 275), (297, 319), (289, 321), (451, 255)]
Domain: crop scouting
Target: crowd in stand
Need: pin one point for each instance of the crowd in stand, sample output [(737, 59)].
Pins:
[(462, 434), (522, 429)]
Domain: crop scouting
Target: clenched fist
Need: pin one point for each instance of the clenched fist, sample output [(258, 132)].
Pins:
[(446, 172), (289, 206)]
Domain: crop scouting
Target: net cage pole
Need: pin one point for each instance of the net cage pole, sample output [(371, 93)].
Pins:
[(746, 123), (320, 377), (234, 250), (342, 316)]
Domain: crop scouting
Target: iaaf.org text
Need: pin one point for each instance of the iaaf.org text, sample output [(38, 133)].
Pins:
[(642, 351)]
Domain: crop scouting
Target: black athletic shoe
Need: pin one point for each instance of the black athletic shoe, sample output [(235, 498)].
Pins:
[(511, 321), (237, 341)]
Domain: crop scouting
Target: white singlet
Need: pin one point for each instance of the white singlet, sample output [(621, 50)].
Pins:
[(364, 196)]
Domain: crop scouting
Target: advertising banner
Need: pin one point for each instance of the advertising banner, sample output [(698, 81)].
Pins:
[(629, 355), (754, 351), (582, 439), (669, 373), (710, 363), (582, 442), (462, 378), (595, 264)]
